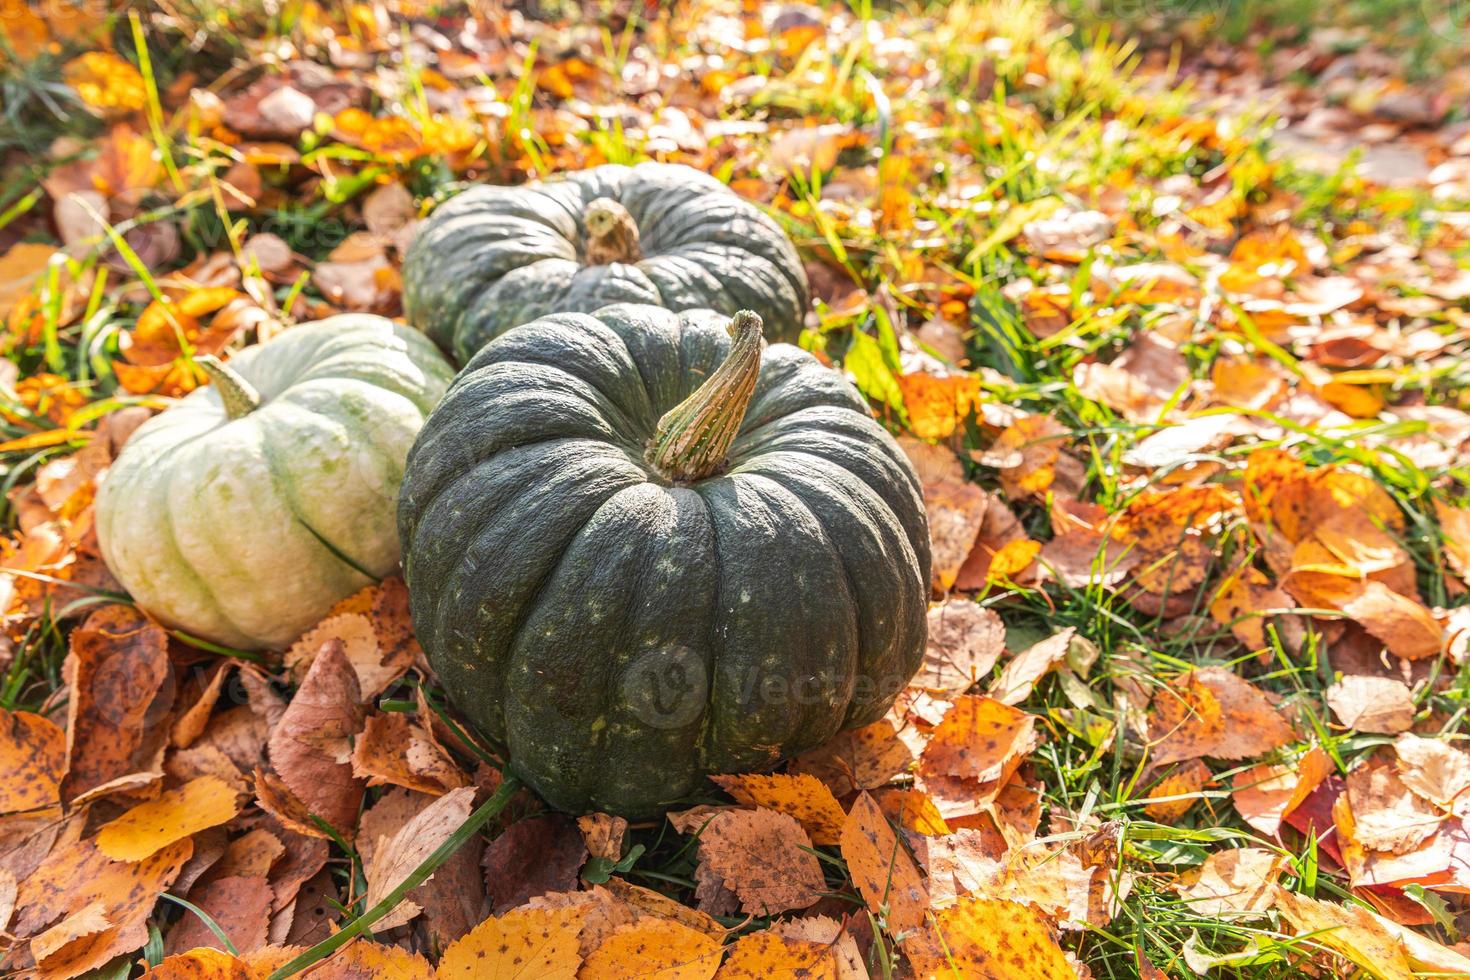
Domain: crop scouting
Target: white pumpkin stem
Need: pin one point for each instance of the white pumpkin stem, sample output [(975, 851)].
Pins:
[(612, 234), (694, 436), (239, 397)]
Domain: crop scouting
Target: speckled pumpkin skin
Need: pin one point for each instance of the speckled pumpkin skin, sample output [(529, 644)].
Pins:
[(623, 636), (496, 257), (246, 531)]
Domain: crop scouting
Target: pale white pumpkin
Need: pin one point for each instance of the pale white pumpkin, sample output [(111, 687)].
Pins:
[(245, 511)]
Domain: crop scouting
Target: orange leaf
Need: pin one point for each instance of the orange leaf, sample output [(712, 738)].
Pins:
[(978, 937), (979, 738), (802, 796), (33, 758), (1266, 795), (765, 858), (1212, 713), (522, 943), (882, 869), (362, 959), (859, 758), (654, 948)]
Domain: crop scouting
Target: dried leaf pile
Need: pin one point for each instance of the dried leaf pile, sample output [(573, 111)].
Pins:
[(1176, 349)]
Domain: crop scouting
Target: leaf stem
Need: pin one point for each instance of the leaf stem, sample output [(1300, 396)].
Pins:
[(483, 815)]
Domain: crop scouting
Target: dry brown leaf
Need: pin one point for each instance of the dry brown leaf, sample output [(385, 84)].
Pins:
[(116, 669), (956, 514), (1185, 781), (859, 758), (75, 878), (801, 795), (1372, 704), (1350, 931), (394, 859), (392, 750), (603, 834), (965, 641), (882, 869), (765, 858), (311, 747), (1213, 713), (839, 945), (1387, 815), (1022, 671), (33, 758), (532, 857), (1433, 768), (1236, 882), (239, 906), (362, 960)]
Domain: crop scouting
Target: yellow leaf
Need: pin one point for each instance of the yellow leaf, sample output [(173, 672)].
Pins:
[(364, 959), (1350, 931), (802, 796), (107, 83), (148, 827), (201, 964), (522, 943), (653, 949), (978, 937)]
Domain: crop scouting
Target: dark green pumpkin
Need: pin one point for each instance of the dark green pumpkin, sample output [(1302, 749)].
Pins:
[(665, 234), (639, 553)]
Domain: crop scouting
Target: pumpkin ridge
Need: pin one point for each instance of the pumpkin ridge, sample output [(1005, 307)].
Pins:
[(289, 496), (538, 595), (206, 590)]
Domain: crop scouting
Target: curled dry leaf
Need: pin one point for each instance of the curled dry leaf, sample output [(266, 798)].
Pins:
[(179, 813), (1023, 670), (1212, 713), (965, 641), (802, 796), (393, 750), (765, 858), (654, 948), (1386, 814), (1433, 768), (1350, 931), (1372, 704), (311, 747), (884, 872), (603, 834), (79, 880), (118, 672)]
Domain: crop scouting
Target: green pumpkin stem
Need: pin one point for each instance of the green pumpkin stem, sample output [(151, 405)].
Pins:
[(237, 394), (612, 234), (695, 435)]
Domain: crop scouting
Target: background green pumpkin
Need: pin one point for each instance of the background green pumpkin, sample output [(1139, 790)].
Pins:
[(625, 626), (664, 234), (244, 525)]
